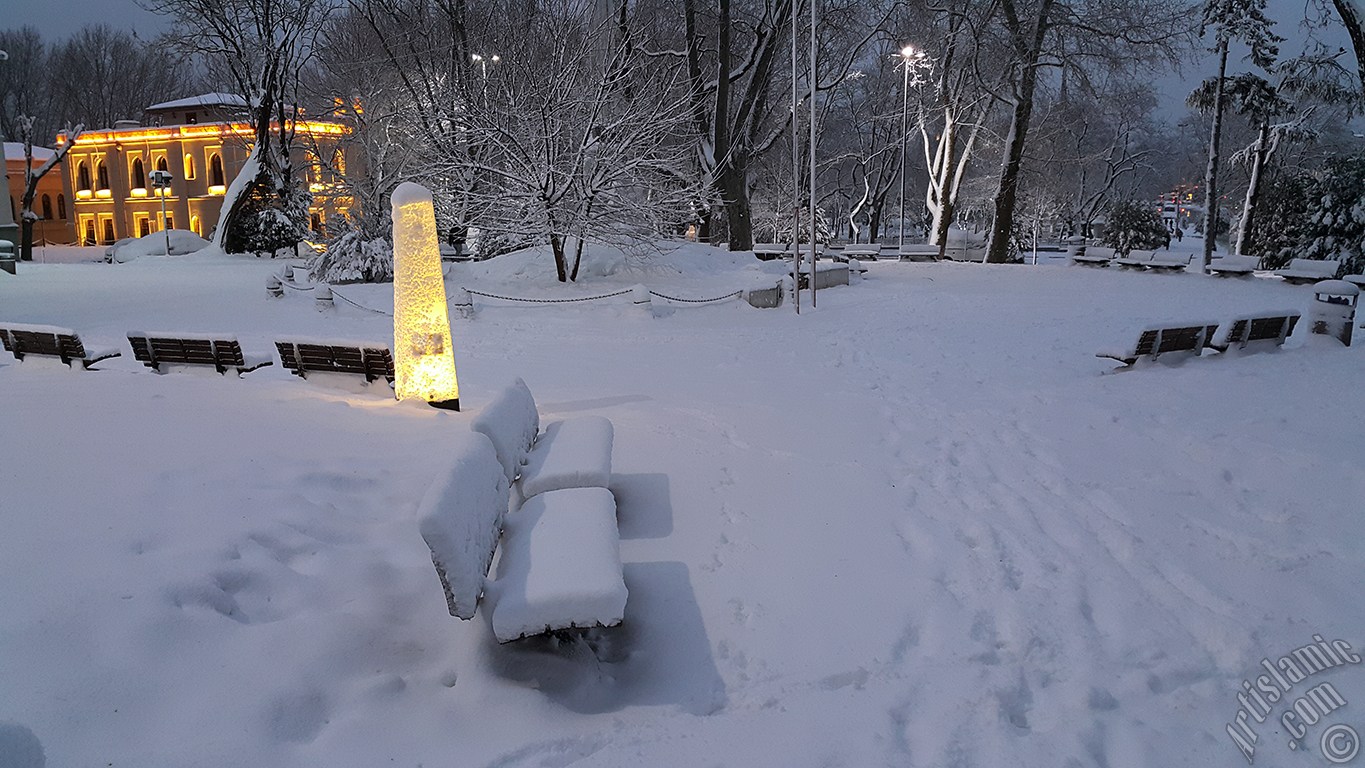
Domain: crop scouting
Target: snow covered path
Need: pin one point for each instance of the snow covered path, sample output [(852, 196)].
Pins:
[(918, 526)]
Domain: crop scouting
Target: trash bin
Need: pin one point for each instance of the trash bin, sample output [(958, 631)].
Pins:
[(1075, 246), (9, 257), (1334, 309)]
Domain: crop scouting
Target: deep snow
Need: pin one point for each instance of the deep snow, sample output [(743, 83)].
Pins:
[(921, 525)]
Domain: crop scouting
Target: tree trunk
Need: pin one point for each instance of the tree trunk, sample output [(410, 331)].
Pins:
[(561, 266), (1211, 172), (1353, 17), (734, 192), (1258, 160), (1006, 197)]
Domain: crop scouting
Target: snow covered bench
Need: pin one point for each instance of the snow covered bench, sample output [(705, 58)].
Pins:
[(560, 563), (21, 340), (871, 251), (1092, 257), (1157, 341), (1233, 265), (1155, 261), (772, 251), (1309, 270), (222, 351), (305, 356), (1252, 332)]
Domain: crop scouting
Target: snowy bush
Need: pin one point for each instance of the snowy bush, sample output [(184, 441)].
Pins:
[(264, 223), (1336, 220), (1279, 230), (1132, 224), (354, 258)]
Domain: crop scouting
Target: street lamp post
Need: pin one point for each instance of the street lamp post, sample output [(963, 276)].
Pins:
[(483, 64), (911, 57), (161, 181)]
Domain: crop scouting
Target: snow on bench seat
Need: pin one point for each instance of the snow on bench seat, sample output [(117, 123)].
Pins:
[(511, 422), (1234, 265), (560, 565), (574, 453), (460, 519), (1309, 270)]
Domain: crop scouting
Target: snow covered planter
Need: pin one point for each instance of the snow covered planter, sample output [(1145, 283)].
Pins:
[(560, 566), (352, 258)]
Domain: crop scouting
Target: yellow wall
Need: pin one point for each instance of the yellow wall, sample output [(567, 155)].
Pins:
[(190, 200)]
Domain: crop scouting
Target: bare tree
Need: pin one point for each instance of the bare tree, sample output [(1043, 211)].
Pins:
[(1075, 34), (109, 75), (1245, 21), (261, 48), (31, 176), (580, 138), (25, 83)]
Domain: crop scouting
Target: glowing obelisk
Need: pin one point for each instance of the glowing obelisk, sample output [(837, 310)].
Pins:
[(423, 359)]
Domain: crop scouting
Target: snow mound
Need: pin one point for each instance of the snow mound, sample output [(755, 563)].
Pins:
[(181, 243)]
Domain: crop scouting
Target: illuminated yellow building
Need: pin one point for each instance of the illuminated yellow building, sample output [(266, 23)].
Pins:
[(202, 141)]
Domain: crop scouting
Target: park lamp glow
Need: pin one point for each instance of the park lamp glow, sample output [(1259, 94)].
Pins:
[(424, 360)]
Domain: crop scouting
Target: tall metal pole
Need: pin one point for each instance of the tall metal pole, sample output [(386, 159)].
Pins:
[(796, 180), (905, 111), (812, 151)]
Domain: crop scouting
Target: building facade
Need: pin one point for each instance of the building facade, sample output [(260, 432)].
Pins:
[(52, 202), (202, 142)]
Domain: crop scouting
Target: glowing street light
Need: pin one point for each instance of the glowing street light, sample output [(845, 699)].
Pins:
[(483, 62), (423, 360), (911, 58)]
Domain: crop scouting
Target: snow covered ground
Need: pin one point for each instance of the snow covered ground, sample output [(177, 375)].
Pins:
[(921, 525)]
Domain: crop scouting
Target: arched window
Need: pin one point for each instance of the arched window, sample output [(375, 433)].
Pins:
[(89, 232), (161, 164), (139, 176), (61, 206), (101, 175), (47, 206), (82, 175), (215, 170), (196, 225), (189, 165), (339, 163)]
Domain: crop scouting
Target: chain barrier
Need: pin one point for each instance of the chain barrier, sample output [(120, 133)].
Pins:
[(549, 301), (360, 306), (697, 301)]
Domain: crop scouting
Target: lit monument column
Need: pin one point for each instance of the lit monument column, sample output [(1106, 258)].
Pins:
[(423, 360)]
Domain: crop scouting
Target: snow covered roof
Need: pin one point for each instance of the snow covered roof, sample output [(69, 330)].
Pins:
[(15, 151), (202, 100)]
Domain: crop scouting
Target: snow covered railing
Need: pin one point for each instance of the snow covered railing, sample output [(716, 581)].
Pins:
[(22, 339), (222, 351), (544, 498)]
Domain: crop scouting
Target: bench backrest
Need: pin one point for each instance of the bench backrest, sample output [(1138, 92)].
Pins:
[(64, 344), (1241, 331), (164, 348), (1326, 267), (1159, 341), (511, 423), (374, 362), (460, 519)]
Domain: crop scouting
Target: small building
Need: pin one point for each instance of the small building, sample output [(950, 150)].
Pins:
[(51, 202), (203, 142)]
